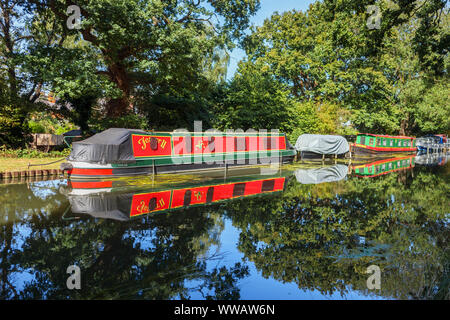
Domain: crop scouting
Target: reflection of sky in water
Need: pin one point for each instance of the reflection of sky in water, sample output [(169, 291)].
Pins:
[(45, 189), (226, 253), (255, 286), (252, 287)]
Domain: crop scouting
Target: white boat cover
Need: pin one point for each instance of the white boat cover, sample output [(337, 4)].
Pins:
[(320, 175), (322, 144)]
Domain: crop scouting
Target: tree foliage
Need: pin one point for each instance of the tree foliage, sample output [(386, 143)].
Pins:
[(377, 78), (162, 64)]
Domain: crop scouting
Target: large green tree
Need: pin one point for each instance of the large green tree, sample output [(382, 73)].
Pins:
[(146, 45), (329, 55)]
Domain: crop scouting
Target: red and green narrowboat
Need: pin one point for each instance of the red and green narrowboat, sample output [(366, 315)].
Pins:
[(385, 166), (375, 144), (123, 152)]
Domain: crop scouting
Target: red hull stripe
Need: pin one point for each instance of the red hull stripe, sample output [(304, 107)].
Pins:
[(91, 185), (91, 172)]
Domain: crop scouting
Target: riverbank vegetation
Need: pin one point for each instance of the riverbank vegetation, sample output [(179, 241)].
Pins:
[(160, 65), (22, 164)]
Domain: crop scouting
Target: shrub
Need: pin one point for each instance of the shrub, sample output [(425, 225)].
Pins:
[(13, 126), (31, 153), (43, 122)]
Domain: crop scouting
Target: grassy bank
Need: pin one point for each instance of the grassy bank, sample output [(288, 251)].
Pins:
[(21, 164)]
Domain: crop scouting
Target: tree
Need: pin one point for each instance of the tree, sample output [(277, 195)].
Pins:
[(146, 45), (253, 100), (328, 56)]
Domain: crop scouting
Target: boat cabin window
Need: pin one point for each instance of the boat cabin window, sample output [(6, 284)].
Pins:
[(384, 142), (378, 142), (363, 140), (391, 143), (371, 141)]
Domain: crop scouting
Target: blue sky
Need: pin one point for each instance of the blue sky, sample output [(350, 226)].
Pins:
[(268, 7)]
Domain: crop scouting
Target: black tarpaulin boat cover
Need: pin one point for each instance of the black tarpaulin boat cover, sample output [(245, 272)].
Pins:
[(322, 144), (109, 206), (110, 146), (321, 175)]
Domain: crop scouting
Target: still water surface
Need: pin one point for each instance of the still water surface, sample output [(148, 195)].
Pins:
[(305, 232)]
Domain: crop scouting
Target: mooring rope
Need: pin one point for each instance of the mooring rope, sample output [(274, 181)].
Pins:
[(45, 164)]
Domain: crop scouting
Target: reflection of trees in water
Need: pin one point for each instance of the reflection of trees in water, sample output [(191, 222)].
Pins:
[(148, 258), (319, 236), (20, 203), (325, 236)]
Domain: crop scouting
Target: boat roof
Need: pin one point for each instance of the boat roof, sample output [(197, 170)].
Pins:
[(384, 136), (322, 144)]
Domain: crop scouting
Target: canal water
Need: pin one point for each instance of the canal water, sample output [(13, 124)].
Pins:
[(303, 232)]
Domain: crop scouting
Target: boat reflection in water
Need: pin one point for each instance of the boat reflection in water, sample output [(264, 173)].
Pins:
[(432, 159), (333, 173), (384, 166), (128, 198), (118, 200)]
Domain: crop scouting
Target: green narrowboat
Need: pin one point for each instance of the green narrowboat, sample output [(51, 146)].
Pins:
[(385, 166), (367, 143)]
